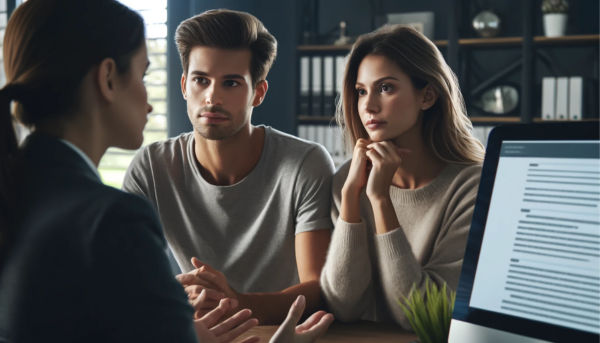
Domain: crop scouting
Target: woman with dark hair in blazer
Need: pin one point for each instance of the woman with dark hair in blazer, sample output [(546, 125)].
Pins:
[(80, 261)]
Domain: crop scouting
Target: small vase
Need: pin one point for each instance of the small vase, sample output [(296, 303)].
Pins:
[(555, 24)]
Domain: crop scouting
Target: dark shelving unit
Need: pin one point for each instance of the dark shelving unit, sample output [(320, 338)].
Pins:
[(458, 52)]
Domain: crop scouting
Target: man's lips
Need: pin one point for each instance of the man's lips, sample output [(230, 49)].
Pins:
[(213, 115), (213, 118)]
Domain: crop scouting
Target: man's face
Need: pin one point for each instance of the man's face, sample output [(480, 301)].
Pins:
[(219, 91)]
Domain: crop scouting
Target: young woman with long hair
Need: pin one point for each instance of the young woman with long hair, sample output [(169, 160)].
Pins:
[(403, 204)]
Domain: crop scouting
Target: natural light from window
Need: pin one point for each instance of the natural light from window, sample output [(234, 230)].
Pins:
[(115, 162)]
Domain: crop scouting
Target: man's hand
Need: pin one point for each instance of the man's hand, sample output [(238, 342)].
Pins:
[(228, 330), (213, 281), (308, 332)]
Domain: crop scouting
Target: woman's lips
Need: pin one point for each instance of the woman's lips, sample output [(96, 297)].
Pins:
[(375, 124)]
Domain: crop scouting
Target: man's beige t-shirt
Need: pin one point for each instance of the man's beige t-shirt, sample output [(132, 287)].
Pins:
[(245, 230)]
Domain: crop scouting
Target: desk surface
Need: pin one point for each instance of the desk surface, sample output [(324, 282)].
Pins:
[(358, 332)]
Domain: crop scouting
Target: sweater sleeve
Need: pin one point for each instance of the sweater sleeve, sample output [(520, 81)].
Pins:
[(346, 276), (346, 279), (399, 268)]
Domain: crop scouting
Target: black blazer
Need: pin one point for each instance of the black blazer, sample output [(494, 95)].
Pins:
[(89, 262)]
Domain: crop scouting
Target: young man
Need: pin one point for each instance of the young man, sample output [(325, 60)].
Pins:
[(251, 203)]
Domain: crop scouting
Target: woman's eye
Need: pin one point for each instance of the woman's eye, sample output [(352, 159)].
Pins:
[(361, 92), (386, 88), (230, 83)]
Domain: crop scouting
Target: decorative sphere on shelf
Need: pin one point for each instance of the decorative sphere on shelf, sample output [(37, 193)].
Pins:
[(487, 24)]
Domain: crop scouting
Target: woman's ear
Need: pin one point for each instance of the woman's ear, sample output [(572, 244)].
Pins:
[(259, 92), (429, 97), (107, 77)]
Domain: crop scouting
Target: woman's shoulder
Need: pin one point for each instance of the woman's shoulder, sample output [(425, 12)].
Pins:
[(466, 179), (123, 206)]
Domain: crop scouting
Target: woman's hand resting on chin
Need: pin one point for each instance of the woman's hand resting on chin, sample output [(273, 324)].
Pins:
[(385, 158)]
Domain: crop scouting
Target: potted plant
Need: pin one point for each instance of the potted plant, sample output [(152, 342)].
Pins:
[(555, 17), (430, 316)]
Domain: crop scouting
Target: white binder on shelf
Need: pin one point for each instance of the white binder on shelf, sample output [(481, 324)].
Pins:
[(548, 98), (303, 131), (575, 97), (316, 86), (339, 73), (304, 85), (328, 107), (321, 134), (311, 134), (329, 137), (562, 98)]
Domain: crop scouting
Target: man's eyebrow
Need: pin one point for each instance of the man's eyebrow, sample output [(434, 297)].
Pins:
[(228, 76), (380, 80)]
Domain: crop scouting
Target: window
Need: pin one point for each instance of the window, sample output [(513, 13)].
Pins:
[(115, 162)]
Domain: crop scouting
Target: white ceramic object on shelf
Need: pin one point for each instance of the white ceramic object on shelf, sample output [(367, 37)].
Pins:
[(555, 24)]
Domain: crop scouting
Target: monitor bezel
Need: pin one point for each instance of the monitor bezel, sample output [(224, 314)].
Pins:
[(573, 131)]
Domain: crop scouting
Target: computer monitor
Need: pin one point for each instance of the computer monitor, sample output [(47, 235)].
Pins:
[(531, 271)]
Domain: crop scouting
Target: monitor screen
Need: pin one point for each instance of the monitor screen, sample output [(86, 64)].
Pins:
[(540, 253)]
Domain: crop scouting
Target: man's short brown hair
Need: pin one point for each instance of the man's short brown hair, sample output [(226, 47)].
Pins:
[(227, 29)]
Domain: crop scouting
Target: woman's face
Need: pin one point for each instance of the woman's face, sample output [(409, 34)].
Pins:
[(130, 109), (388, 104)]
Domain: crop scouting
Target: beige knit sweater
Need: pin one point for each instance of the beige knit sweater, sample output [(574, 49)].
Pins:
[(365, 273)]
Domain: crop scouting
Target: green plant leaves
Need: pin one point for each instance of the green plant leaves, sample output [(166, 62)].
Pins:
[(429, 316)]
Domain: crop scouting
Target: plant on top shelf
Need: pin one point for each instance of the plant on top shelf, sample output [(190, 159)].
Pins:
[(430, 316), (555, 17), (555, 6)]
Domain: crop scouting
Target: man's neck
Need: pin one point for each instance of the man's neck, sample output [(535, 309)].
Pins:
[(228, 161)]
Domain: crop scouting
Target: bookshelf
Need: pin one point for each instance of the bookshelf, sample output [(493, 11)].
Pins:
[(525, 50), (483, 42)]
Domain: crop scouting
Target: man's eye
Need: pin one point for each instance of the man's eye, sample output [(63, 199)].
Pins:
[(230, 83), (200, 80)]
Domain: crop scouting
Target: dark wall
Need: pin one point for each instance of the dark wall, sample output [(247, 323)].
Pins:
[(583, 15), (284, 20), (484, 62), (277, 110)]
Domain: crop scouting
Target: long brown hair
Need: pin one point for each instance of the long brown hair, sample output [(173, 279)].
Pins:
[(446, 128), (49, 47)]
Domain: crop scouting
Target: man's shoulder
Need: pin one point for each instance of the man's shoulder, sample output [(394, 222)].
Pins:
[(286, 149), (290, 143), (168, 147)]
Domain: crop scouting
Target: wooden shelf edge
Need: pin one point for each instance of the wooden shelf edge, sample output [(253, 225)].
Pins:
[(540, 120), (495, 119), (314, 118), (541, 40), (477, 120)]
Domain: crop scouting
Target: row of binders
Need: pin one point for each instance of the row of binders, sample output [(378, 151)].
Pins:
[(328, 136), (562, 98), (320, 82)]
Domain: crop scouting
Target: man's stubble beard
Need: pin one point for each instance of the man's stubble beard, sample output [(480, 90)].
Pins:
[(217, 132)]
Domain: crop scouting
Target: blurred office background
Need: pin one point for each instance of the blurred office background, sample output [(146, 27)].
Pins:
[(515, 59)]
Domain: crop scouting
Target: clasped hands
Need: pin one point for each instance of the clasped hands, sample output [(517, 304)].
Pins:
[(373, 166), (212, 298)]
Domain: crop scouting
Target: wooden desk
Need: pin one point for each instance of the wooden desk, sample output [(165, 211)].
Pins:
[(359, 332)]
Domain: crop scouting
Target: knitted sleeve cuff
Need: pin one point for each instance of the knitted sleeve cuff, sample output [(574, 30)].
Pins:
[(351, 235), (392, 245)]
